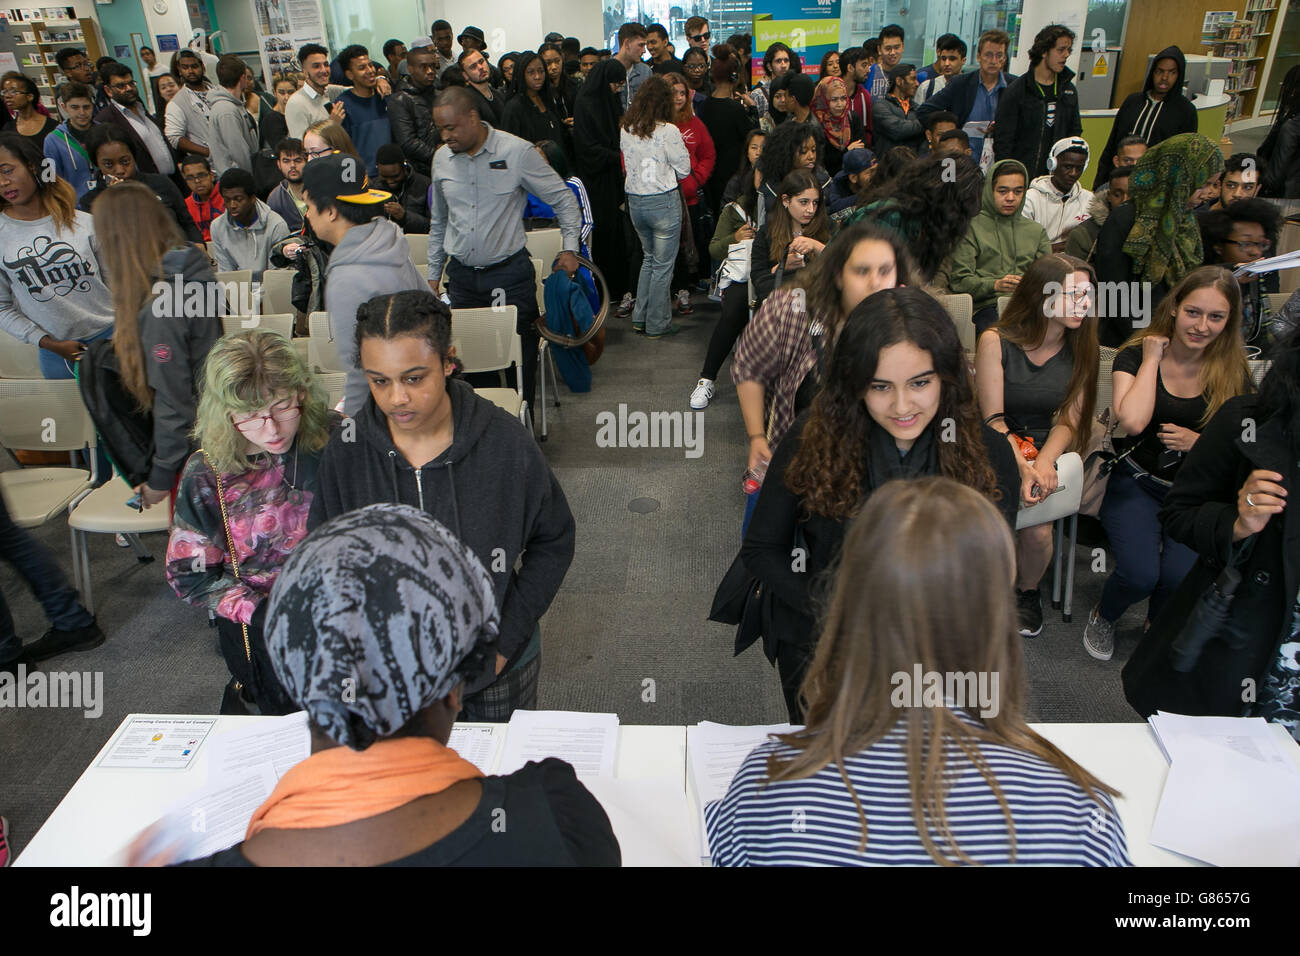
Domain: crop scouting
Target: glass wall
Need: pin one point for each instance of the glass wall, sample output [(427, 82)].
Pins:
[(725, 18), (372, 22), (1288, 54)]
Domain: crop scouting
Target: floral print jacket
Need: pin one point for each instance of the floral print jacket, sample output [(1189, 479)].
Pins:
[(268, 507)]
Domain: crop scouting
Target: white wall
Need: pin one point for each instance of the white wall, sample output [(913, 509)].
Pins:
[(238, 28), (176, 20), (521, 24), (574, 18)]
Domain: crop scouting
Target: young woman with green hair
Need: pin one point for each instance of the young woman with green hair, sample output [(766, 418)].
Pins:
[(244, 496)]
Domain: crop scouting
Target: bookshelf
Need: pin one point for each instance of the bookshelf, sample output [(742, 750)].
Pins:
[(1243, 41), (39, 39)]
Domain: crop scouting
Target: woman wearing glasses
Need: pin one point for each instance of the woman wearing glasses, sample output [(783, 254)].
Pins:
[(244, 496), (1241, 232)]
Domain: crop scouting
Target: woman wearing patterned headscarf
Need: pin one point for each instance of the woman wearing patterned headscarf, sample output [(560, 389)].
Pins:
[(1154, 237), (843, 129), (375, 622)]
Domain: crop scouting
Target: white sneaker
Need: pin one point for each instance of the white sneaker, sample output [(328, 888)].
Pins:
[(120, 541), (703, 392), (683, 302), (625, 306)]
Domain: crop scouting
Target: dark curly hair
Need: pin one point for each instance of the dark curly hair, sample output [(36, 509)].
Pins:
[(827, 472), (1045, 40), (1217, 224), (416, 312), (888, 168), (940, 195), (782, 146)]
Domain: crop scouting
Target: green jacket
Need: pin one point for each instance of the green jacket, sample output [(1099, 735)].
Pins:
[(729, 220), (995, 246)]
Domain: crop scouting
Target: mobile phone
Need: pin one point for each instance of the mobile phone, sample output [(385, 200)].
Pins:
[(135, 502)]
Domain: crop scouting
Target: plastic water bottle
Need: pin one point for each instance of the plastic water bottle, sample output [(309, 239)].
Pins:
[(753, 479)]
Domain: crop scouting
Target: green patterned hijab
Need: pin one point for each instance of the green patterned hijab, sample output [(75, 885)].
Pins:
[(1165, 242)]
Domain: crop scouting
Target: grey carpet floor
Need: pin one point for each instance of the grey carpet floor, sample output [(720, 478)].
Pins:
[(626, 634)]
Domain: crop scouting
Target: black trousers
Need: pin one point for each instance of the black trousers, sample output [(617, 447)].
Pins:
[(513, 277), (261, 686), (792, 662), (732, 322)]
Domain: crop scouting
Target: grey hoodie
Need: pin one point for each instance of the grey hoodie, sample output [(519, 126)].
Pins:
[(370, 260), (492, 488), (237, 247), (50, 280), (234, 133)]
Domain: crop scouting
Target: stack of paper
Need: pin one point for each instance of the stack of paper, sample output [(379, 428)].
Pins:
[(1288, 260), (716, 752), (587, 741), (1231, 795)]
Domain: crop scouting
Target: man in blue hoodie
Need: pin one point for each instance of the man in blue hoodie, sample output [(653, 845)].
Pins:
[(1159, 111), (66, 146), (371, 255)]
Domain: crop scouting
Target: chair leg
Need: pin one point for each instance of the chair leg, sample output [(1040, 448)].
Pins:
[(76, 562), (1058, 544), (1069, 569), (541, 378), (141, 552), (555, 377), (82, 557)]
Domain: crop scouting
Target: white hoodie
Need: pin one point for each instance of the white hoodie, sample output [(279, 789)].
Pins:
[(1057, 213)]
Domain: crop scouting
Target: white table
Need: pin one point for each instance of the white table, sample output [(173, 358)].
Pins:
[(105, 809)]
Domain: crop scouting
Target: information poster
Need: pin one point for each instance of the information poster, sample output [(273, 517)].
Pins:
[(283, 26), (809, 27)]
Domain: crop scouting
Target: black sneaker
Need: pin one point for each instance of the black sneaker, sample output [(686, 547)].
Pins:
[(1029, 609), (56, 642)]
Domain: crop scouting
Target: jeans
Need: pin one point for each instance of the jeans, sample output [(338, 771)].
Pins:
[(46, 579), (55, 366), (470, 288), (658, 221), (1148, 563)]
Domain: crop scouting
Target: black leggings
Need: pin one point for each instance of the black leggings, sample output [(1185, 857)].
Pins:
[(792, 662), (257, 676), (732, 321)]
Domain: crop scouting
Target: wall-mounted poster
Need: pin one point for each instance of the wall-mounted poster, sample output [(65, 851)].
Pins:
[(282, 27), (168, 43), (809, 27)]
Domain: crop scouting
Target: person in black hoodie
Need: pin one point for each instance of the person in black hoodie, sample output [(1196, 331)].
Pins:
[(1159, 111), (1040, 107), (113, 155), (426, 439)]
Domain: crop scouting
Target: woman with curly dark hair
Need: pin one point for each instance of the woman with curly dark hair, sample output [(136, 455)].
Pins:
[(930, 205), (888, 168), (897, 401), (791, 146)]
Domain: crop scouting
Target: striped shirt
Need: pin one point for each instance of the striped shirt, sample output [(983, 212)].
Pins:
[(813, 821)]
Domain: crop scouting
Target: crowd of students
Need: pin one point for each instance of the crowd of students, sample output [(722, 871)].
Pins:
[(829, 210)]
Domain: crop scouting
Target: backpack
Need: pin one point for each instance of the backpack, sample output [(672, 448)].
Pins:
[(125, 432)]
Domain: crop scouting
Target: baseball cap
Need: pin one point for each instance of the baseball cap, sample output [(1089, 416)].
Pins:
[(341, 178), (858, 161), (1071, 143)]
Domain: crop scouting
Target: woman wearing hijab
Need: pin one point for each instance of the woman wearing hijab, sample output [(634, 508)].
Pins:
[(1154, 237), (596, 113), (843, 129), (386, 602)]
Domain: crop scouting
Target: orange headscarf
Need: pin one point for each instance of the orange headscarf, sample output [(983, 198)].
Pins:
[(839, 132), (340, 785)]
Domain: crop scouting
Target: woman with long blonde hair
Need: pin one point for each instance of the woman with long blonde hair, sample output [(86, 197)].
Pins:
[(242, 505), (1169, 380), (915, 748), (167, 307), (1036, 375)]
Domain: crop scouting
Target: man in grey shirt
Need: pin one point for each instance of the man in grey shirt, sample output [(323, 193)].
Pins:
[(234, 134), (188, 129), (476, 227)]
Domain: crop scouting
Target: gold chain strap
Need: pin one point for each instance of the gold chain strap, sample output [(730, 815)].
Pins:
[(230, 544)]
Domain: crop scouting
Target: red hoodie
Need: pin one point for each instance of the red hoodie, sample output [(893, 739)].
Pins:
[(699, 144), (203, 213)]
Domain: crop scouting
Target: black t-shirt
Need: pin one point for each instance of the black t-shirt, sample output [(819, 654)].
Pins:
[(553, 821), (1049, 94), (1151, 452)]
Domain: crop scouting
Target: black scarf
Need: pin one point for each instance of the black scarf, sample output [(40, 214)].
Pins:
[(884, 463)]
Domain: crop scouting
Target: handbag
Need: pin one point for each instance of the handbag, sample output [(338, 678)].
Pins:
[(686, 244), (1099, 459), (237, 695)]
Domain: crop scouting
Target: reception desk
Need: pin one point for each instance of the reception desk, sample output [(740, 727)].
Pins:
[(1211, 116)]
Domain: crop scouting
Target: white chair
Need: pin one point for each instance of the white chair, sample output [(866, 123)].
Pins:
[(961, 307), (18, 359), (1057, 507), (423, 269), (281, 322), (334, 383), (277, 290), (544, 244), (104, 511), (418, 242), (486, 341), (36, 414), (237, 275), (1002, 303), (323, 350)]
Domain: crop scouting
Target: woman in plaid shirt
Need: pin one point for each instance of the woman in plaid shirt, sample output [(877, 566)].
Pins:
[(784, 341)]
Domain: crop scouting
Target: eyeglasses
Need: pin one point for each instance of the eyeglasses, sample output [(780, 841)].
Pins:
[(257, 422), (197, 177), (696, 67), (1250, 245), (701, 36), (318, 153)]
